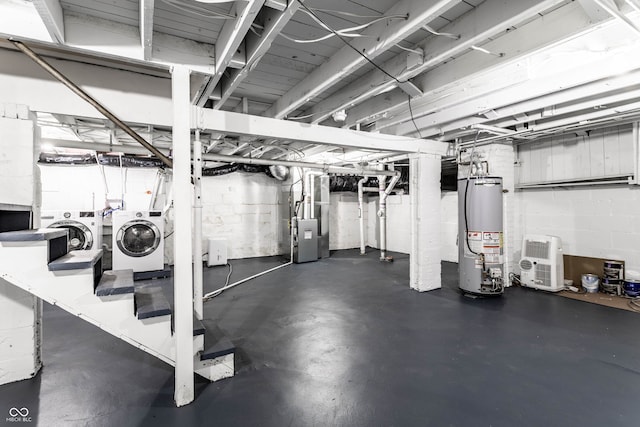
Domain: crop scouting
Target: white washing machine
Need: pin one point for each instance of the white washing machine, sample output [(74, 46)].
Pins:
[(138, 240), (85, 227)]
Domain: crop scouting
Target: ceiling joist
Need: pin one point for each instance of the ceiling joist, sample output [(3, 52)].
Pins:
[(232, 34), (383, 36)]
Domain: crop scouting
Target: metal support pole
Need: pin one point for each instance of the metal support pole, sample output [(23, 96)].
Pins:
[(197, 227), (84, 95), (183, 278)]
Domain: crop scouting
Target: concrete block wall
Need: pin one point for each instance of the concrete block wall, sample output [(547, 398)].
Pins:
[(449, 226), (598, 221), (344, 225), (244, 209)]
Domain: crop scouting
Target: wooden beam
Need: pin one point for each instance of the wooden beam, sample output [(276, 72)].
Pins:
[(256, 47), (50, 12), (346, 61), (231, 36), (146, 28), (265, 127), (183, 273), (479, 25)]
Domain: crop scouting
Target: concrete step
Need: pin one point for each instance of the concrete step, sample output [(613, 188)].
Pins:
[(150, 302), (57, 240), (115, 282), (198, 327), (216, 345), (76, 260), (32, 235)]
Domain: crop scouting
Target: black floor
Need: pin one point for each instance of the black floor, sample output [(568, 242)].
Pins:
[(345, 342)]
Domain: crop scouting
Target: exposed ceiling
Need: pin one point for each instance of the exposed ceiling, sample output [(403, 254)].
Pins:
[(451, 70)]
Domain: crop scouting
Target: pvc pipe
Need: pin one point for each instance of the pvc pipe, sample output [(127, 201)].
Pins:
[(197, 227), (239, 282), (361, 212), (382, 213), (84, 95)]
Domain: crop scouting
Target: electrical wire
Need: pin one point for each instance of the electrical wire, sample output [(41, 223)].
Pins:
[(354, 15), (319, 39), (215, 294), (346, 42)]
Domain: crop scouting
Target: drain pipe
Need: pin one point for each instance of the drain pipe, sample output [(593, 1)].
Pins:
[(382, 212), (84, 95), (361, 211)]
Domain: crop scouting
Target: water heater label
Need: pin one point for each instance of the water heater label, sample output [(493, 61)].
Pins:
[(489, 243)]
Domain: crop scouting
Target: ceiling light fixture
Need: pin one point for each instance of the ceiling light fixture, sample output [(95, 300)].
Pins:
[(339, 116)]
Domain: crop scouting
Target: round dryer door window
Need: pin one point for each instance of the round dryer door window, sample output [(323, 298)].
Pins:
[(80, 237), (138, 238)]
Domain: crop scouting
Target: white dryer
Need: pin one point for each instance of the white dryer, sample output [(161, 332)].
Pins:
[(138, 240), (85, 227)]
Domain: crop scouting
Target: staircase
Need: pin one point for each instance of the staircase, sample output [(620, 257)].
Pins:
[(38, 262)]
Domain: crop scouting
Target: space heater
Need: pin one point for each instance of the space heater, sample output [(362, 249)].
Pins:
[(541, 265)]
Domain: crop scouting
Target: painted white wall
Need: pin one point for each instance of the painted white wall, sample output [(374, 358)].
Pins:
[(20, 312), (344, 225), (243, 208), (597, 222)]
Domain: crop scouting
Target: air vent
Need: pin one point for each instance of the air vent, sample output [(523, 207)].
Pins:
[(537, 249), (525, 264), (543, 274)]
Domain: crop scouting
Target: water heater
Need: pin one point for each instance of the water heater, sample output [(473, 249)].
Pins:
[(480, 235)]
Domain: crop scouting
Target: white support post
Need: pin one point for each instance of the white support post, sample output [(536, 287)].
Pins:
[(197, 227), (424, 262), (183, 278), (20, 311)]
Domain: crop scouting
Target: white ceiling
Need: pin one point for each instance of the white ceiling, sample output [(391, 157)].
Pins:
[(511, 70)]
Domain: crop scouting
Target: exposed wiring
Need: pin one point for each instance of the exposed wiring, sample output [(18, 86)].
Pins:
[(413, 120), (514, 279), (319, 39), (346, 42), (436, 33), (215, 294), (346, 32), (634, 304), (419, 52), (354, 15), (201, 11)]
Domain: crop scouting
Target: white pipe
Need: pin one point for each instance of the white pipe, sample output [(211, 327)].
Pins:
[(382, 213), (197, 227), (361, 212), (239, 282)]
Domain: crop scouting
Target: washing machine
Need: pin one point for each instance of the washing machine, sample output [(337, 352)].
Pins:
[(138, 240), (85, 227)]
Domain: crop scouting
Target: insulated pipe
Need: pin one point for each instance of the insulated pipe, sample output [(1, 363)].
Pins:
[(197, 227), (84, 95), (382, 213), (361, 212), (222, 158)]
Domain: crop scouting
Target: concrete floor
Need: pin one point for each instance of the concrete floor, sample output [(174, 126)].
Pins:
[(345, 342)]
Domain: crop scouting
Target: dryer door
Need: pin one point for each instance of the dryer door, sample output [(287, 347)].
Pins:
[(138, 238), (80, 237)]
